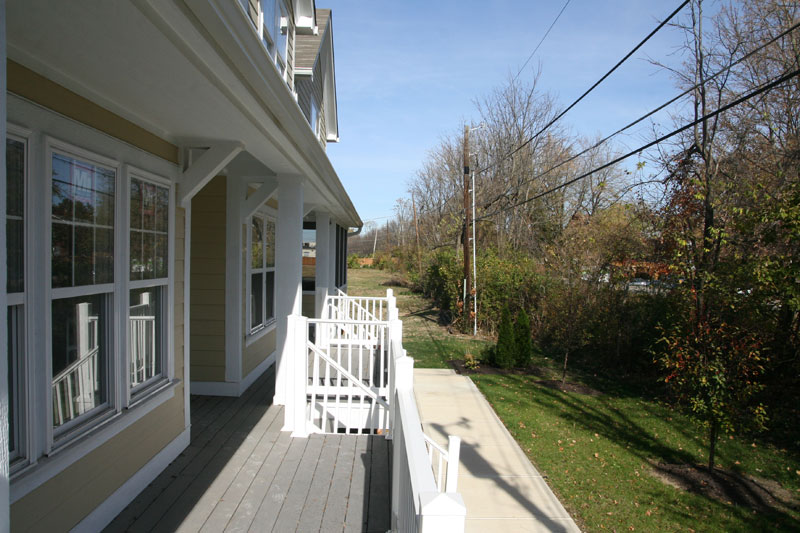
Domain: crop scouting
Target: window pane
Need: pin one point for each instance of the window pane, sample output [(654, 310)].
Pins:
[(309, 256), (79, 352), (15, 353), (62, 255), (162, 209), (270, 295), (148, 206), (15, 211), (136, 204), (282, 32), (148, 255), (62, 188), (145, 334), (256, 300), (161, 256), (83, 203), (104, 256), (270, 238), (257, 243), (84, 253), (15, 247), (137, 265), (104, 197)]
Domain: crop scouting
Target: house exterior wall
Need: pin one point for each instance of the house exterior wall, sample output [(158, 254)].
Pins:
[(118, 450), (309, 305), (258, 351), (207, 286)]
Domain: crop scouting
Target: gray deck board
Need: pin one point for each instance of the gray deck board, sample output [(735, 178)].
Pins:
[(311, 519), (241, 473)]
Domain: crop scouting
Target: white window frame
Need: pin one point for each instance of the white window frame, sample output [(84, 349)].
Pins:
[(267, 324), (44, 457), (22, 431), (142, 391), (58, 437)]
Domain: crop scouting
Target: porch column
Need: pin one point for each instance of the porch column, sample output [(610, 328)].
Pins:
[(288, 276), (323, 270), (4, 355)]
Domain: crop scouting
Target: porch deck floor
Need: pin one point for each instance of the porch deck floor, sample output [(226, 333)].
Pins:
[(241, 473)]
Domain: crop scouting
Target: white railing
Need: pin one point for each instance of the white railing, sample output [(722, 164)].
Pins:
[(75, 387), (445, 464), (418, 504), (353, 375)]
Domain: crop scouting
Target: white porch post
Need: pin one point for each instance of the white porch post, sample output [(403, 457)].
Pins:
[(288, 277), (323, 269), (4, 501)]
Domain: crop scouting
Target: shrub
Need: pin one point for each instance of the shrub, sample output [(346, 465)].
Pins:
[(505, 352), (352, 261), (522, 339)]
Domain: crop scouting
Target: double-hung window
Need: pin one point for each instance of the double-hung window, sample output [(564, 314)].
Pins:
[(82, 221), (261, 273), (16, 167), (149, 281)]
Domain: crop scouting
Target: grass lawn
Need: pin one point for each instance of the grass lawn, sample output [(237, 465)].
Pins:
[(597, 451)]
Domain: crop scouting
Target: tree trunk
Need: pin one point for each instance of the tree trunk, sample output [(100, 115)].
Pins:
[(712, 444), (564, 373)]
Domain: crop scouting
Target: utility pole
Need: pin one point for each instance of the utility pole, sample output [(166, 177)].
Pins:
[(416, 230), (467, 221)]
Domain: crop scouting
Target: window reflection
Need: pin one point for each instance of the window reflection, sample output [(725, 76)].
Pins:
[(79, 352), (145, 334)]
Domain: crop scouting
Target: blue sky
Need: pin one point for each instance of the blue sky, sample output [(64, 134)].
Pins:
[(408, 72)]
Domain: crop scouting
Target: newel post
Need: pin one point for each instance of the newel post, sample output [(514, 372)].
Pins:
[(296, 376), (442, 511), (453, 456)]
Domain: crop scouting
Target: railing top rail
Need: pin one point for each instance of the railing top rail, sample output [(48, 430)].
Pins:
[(371, 298), (75, 364), (419, 466), (433, 443), (348, 322)]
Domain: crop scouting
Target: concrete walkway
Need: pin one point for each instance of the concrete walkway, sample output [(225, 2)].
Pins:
[(501, 488)]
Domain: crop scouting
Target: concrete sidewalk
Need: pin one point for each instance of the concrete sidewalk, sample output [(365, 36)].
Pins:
[(501, 488)]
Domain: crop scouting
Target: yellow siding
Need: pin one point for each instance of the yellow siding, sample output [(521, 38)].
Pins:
[(207, 310), (258, 351), (309, 303), (69, 497)]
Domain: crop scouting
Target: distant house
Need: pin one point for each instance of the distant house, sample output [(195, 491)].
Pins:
[(163, 158)]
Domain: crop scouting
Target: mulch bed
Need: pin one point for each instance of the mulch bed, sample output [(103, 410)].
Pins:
[(458, 366), (727, 486)]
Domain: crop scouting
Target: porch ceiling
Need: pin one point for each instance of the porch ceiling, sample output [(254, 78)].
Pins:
[(177, 72)]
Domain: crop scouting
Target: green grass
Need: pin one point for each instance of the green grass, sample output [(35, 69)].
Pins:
[(596, 451)]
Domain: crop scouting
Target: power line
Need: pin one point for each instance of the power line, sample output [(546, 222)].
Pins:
[(661, 139), (542, 40), (590, 89), (643, 117)]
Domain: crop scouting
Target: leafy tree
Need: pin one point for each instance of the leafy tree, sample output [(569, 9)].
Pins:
[(522, 339)]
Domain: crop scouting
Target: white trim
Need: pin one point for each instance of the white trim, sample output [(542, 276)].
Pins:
[(232, 389), (255, 337), (206, 167), (32, 477), (104, 513), (187, 255), (4, 472)]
